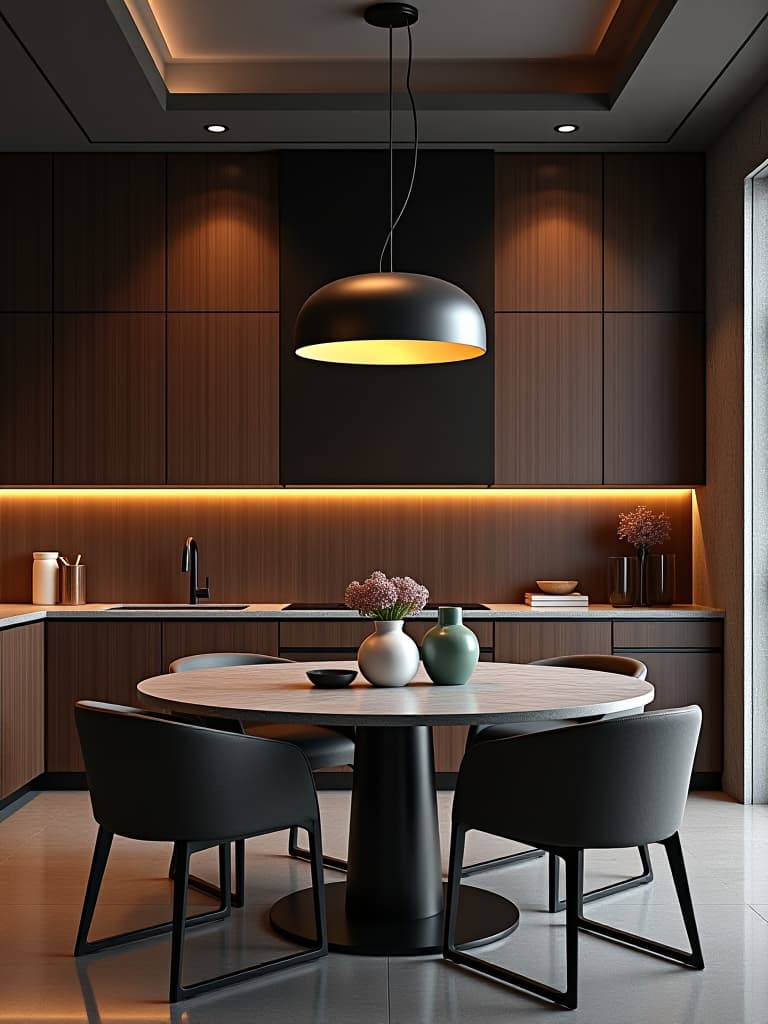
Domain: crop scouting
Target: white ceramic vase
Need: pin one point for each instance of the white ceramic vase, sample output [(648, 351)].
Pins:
[(388, 657)]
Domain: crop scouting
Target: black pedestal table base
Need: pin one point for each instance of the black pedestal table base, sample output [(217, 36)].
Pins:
[(392, 901), (483, 917)]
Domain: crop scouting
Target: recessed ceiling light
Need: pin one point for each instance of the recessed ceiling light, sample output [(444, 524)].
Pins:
[(216, 128), (566, 129)]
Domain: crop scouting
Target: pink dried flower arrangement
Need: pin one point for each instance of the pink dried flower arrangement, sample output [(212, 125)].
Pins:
[(380, 597), (643, 528)]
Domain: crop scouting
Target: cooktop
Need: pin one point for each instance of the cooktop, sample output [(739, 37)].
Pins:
[(322, 606)]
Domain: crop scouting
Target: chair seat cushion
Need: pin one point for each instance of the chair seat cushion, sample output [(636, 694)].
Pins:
[(324, 747)]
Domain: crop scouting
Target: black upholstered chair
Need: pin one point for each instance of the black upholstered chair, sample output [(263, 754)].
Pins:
[(615, 783), (324, 747), (161, 780), (594, 663)]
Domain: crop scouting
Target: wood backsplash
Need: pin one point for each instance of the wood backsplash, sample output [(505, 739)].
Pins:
[(284, 545)]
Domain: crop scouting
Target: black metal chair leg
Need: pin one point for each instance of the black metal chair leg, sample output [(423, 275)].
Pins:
[(454, 953), (644, 878), (294, 850), (694, 959), (100, 855), (177, 990), (499, 862), (680, 877), (209, 888), (95, 878)]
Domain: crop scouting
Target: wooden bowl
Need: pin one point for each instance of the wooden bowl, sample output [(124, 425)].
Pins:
[(557, 586)]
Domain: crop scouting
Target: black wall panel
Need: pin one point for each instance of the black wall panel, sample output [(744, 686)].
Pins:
[(366, 425)]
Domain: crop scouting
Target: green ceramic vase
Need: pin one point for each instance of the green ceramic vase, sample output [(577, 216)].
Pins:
[(450, 649)]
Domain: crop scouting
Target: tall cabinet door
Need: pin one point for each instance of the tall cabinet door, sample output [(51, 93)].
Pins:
[(109, 238), (654, 398), (549, 423), (25, 413), (549, 255), (109, 398), (222, 232), (25, 241), (223, 384), (654, 319)]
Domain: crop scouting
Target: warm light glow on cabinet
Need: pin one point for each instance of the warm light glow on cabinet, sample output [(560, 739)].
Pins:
[(343, 493)]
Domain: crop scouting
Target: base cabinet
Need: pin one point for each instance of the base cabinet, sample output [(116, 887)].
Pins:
[(685, 665), (184, 639), (93, 660), (22, 694)]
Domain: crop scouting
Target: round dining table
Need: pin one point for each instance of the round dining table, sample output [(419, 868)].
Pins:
[(392, 900)]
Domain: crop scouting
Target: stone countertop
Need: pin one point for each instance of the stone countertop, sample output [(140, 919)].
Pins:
[(18, 614)]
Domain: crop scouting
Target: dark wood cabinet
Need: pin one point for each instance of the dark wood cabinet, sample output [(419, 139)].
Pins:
[(549, 253), (371, 425), (654, 398), (549, 422), (109, 237), (681, 678), (25, 412), (654, 232), (530, 641), (223, 385), (183, 639), (25, 239), (109, 398), (685, 667), (22, 713), (93, 660), (223, 232)]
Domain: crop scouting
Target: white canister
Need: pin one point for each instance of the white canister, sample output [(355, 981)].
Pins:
[(45, 577)]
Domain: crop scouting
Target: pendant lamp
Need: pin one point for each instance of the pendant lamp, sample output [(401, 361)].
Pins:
[(391, 318)]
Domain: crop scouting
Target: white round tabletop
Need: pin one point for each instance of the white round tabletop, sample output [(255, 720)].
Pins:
[(497, 692)]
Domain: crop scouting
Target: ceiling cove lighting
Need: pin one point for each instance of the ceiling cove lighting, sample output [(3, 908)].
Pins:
[(566, 129), (391, 318), (217, 129)]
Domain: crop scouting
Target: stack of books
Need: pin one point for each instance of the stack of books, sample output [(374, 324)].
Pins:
[(540, 600)]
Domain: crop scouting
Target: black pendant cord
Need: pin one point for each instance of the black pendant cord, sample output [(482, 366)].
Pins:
[(393, 223)]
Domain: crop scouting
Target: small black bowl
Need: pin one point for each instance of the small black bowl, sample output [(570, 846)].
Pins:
[(331, 678)]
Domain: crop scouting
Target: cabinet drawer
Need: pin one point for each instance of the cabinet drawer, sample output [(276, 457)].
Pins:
[(349, 635), (531, 641), (701, 633)]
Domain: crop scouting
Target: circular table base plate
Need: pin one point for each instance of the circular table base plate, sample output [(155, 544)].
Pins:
[(483, 917)]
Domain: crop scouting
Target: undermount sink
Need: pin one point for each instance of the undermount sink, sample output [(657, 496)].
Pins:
[(175, 607)]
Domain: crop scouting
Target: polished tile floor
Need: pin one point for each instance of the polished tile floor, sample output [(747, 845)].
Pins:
[(45, 847)]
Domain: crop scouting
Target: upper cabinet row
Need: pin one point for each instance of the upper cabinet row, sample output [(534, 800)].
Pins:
[(585, 233), (139, 233), (145, 301)]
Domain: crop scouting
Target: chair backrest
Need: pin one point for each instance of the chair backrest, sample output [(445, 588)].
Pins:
[(159, 779), (619, 782), (599, 663), (223, 659)]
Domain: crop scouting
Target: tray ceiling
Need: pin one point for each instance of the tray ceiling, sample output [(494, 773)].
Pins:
[(632, 74)]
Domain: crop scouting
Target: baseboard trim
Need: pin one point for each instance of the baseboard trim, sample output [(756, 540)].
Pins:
[(706, 781)]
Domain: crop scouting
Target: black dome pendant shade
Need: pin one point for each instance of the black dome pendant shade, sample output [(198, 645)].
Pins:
[(389, 318)]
